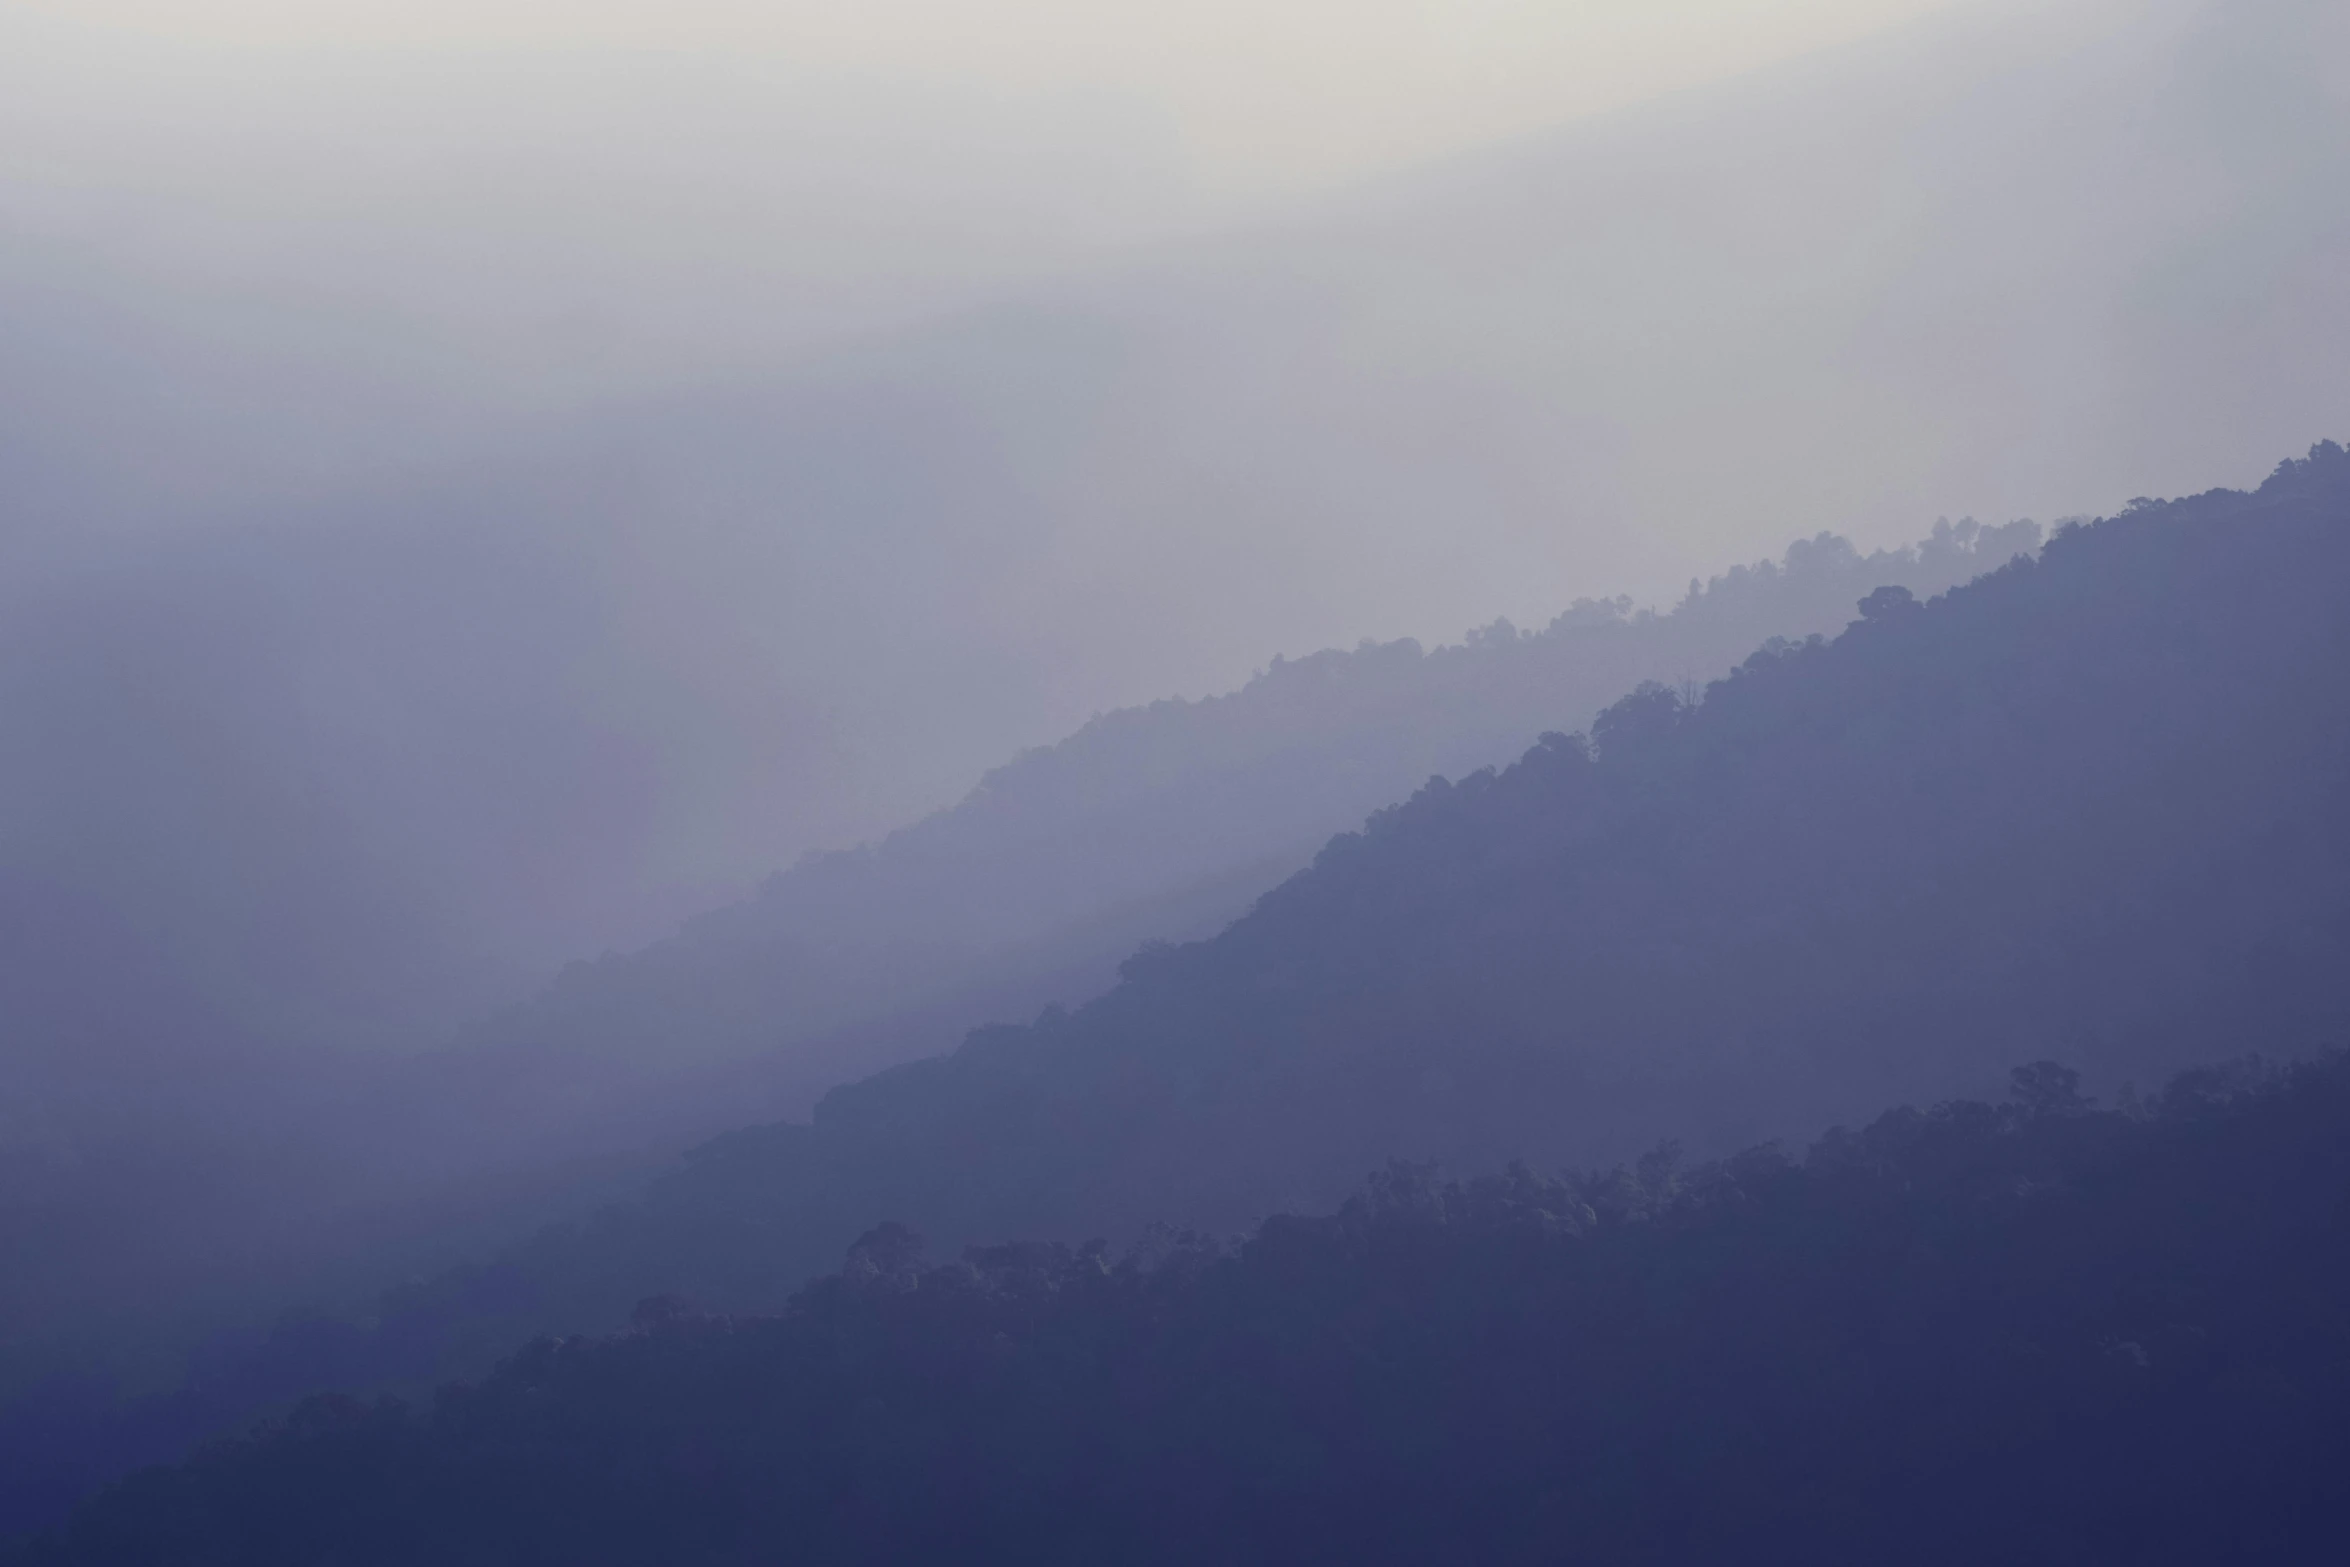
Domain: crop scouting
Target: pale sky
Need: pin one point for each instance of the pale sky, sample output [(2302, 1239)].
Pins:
[(884, 387), (569, 196), (1264, 94)]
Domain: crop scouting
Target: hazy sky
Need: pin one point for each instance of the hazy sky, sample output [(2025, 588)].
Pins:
[(1261, 93), (780, 415), (440, 209)]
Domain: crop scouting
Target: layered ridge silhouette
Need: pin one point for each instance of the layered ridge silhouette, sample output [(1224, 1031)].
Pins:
[(2088, 807), (2028, 1332), (1162, 822)]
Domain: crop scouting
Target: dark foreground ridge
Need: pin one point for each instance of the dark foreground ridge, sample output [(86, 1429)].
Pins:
[(2035, 1332)]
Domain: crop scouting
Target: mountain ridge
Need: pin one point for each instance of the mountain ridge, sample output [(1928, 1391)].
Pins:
[(2024, 1331)]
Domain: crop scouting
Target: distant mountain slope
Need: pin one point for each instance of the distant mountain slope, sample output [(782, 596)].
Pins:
[(2027, 1333), (1150, 823), (1162, 822), (2094, 806)]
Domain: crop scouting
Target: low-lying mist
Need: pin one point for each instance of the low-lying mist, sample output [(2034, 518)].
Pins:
[(598, 596)]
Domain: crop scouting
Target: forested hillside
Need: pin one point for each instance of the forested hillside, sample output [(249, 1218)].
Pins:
[(1159, 822), (1152, 822), (2090, 807), (2031, 1332)]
